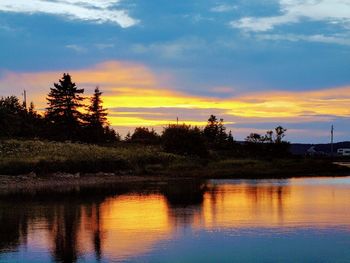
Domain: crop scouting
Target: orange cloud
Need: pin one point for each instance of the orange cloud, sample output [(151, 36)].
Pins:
[(132, 86)]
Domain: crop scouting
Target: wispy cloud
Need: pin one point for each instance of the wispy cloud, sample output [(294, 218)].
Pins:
[(176, 49), (339, 39), (223, 8), (295, 11), (102, 11), (76, 48), (102, 46)]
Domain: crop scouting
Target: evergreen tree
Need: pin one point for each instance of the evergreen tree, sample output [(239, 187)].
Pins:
[(127, 137), (230, 139), (97, 115), (222, 135), (211, 131), (11, 116), (97, 129), (215, 132), (63, 113)]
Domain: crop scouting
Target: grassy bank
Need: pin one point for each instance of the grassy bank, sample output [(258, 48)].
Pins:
[(42, 158), (21, 157)]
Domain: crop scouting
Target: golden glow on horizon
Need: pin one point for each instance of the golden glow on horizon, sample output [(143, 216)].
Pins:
[(131, 87), (138, 121)]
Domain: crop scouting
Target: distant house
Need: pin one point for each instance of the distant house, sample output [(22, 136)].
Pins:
[(343, 152), (313, 152)]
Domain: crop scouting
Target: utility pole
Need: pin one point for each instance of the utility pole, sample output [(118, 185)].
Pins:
[(332, 140), (25, 99)]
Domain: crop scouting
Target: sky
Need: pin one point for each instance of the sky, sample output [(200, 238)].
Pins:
[(256, 64)]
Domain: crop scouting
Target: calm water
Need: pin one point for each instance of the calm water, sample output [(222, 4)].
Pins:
[(296, 220)]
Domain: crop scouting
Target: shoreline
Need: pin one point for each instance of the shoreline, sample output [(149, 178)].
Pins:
[(66, 182)]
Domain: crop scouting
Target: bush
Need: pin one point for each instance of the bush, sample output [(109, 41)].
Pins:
[(184, 140), (145, 136)]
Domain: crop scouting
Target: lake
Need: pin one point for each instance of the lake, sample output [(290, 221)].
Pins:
[(289, 220)]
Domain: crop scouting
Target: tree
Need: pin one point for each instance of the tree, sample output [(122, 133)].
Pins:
[(127, 137), (280, 134), (253, 138), (269, 145), (11, 116), (97, 129), (230, 138), (97, 115), (63, 113), (33, 124), (211, 130), (145, 136), (215, 133), (222, 135), (185, 140), (110, 135)]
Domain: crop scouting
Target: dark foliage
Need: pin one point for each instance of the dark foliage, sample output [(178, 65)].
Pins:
[(216, 135), (144, 135), (269, 145), (63, 113), (184, 140), (96, 128), (11, 116), (63, 118), (17, 121)]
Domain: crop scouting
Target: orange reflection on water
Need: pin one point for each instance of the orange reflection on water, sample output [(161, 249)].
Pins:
[(268, 206), (135, 222)]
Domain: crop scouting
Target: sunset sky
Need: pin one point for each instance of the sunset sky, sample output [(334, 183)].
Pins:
[(257, 64)]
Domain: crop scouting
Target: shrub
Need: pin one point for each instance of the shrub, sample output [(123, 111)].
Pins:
[(184, 140), (144, 135)]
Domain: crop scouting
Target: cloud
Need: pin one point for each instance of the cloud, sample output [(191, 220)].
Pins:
[(223, 8), (176, 49), (102, 46), (295, 11), (102, 11), (76, 48), (135, 96), (339, 39)]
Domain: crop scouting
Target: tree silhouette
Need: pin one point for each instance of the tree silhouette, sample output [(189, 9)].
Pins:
[(184, 139), (11, 116), (144, 135), (97, 115), (215, 133), (63, 112), (254, 138), (280, 134), (96, 120), (211, 131)]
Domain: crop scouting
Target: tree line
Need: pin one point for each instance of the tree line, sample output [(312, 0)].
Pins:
[(68, 118), (65, 118)]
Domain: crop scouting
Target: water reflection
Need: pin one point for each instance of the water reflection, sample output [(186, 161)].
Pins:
[(123, 222)]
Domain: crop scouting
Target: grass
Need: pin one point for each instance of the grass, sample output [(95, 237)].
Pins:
[(43, 157), (20, 157)]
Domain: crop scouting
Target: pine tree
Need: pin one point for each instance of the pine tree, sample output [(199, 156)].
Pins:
[(211, 131), (230, 138), (64, 101), (222, 135), (96, 121), (97, 115)]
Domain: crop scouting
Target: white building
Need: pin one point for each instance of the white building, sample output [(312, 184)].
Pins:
[(344, 152)]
